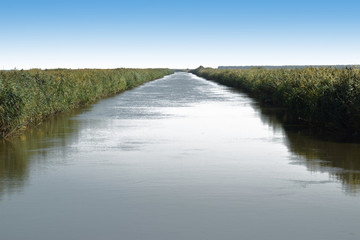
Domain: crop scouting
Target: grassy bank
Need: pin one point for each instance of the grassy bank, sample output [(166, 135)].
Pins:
[(28, 97), (325, 97)]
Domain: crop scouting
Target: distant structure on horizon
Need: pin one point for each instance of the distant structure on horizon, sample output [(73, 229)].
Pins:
[(286, 66)]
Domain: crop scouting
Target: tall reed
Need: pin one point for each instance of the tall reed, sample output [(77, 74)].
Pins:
[(325, 97), (30, 96)]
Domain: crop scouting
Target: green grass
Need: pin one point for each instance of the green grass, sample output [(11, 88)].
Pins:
[(27, 97), (323, 97)]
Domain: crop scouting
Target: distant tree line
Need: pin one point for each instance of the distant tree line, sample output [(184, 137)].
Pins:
[(288, 67)]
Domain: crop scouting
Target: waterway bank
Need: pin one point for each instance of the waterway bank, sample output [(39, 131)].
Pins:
[(322, 98), (28, 97)]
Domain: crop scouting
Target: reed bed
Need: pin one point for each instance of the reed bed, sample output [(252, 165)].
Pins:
[(27, 97), (328, 98)]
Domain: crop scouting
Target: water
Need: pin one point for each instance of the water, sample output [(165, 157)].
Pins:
[(177, 158)]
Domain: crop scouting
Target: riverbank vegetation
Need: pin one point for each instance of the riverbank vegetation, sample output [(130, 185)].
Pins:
[(322, 97), (27, 97)]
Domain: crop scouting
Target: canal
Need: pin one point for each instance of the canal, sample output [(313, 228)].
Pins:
[(177, 158)]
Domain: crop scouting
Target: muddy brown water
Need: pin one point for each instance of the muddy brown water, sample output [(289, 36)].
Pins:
[(177, 158)]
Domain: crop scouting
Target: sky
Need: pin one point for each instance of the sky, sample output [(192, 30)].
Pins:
[(177, 34)]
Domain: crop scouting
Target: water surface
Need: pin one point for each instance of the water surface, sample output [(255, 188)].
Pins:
[(177, 158)]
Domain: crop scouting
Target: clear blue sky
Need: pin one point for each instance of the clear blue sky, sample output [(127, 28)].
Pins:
[(177, 34)]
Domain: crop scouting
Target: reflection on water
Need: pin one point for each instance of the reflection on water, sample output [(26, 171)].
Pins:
[(340, 160), (13, 167), (15, 154), (319, 154)]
